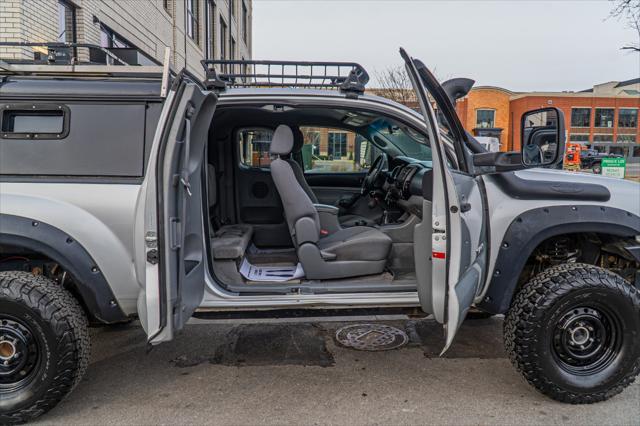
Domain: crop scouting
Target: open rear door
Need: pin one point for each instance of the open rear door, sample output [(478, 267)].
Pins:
[(459, 237), (170, 216)]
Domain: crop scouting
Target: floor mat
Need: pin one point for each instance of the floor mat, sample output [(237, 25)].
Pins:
[(268, 273)]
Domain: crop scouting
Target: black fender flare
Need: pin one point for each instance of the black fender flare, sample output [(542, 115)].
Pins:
[(532, 227), (50, 241)]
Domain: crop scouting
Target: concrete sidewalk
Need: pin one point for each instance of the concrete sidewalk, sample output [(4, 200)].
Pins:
[(275, 373)]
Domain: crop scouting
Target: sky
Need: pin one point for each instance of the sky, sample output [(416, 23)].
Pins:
[(519, 45)]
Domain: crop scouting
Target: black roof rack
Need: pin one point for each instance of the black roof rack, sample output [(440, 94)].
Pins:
[(348, 77)]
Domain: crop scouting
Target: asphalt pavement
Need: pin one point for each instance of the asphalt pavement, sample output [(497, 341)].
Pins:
[(286, 373)]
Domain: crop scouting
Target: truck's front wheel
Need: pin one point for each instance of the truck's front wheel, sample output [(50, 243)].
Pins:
[(44, 345), (574, 333)]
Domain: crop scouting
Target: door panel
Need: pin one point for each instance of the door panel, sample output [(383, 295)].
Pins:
[(172, 225), (459, 235)]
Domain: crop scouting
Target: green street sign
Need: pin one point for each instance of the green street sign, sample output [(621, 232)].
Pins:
[(614, 167)]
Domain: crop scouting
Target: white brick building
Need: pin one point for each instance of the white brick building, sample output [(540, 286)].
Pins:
[(193, 29)]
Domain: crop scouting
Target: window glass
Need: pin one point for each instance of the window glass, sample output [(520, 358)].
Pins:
[(636, 151), (223, 39), (485, 118), (580, 117), (627, 138), (254, 147), (579, 138), (602, 138), (327, 150), (32, 121), (245, 22), (66, 22), (627, 117), (192, 20), (406, 140), (604, 117), (209, 29)]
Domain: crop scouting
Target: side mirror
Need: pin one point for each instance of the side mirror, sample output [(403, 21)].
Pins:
[(542, 137)]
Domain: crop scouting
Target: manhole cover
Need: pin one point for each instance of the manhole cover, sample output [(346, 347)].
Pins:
[(371, 337)]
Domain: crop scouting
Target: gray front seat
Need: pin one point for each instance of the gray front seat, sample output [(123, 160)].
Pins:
[(346, 220), (359, 250)]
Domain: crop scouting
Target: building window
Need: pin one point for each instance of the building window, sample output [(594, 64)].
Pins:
[(66, 22), (167, 4), (628, 117), (245, 23), (636, 151), (604, 117), (485, 118), (626, 138), (210, 29), (193, 28), (111, 39), (602, 138), (232, 5), (337, 147), (580, 117), (223, 39), (584, 138)]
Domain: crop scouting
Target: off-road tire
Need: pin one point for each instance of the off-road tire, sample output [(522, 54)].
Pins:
[(532, 322), (57, 322)]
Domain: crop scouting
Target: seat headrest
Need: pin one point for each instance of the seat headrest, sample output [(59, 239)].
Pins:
[(282, 142)]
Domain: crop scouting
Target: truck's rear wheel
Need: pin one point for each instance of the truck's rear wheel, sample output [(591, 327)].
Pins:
[(597, 168), (574, 333), (44, 345)]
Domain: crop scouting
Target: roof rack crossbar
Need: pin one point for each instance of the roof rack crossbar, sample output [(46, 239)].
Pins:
[(348, 77)]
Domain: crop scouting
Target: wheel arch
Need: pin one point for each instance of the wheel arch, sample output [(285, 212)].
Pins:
[(91, 285), (533, 227)]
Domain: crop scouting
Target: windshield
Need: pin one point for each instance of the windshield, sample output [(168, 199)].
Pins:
[(405, 139)]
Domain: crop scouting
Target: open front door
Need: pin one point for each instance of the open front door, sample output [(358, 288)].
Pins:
[(170, 215), (459, 237)]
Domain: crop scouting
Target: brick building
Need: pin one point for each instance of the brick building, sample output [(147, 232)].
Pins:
[(193, 29), (604, 117)]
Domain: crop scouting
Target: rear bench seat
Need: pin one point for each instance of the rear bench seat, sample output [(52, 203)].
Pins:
[(230, 242)]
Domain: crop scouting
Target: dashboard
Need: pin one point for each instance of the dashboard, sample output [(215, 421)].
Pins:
[(408, 177)]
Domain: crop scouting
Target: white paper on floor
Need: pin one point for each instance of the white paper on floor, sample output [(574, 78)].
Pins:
[(270, 273)]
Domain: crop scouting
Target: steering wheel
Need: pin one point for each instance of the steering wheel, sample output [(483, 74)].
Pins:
[(372, 179)]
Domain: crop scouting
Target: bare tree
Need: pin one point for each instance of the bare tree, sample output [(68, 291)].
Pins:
[(395, 85), (629, 11)]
